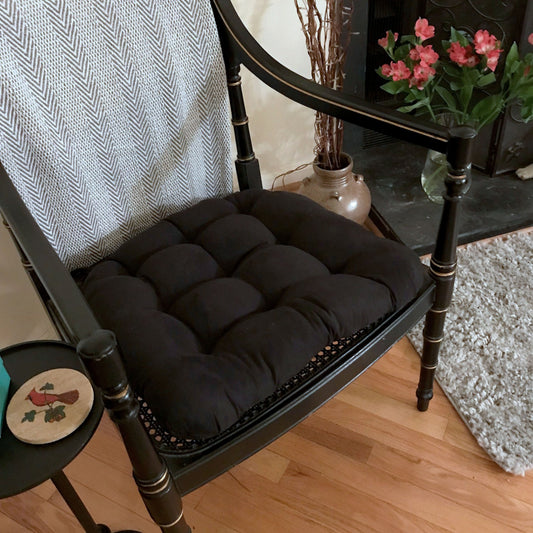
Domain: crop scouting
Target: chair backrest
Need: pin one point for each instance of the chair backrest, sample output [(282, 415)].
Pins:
[(113, 114)]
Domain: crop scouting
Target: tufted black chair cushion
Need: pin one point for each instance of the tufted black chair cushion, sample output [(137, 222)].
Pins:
[(218, 305)]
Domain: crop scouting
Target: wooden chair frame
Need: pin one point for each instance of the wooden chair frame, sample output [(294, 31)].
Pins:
[(161, 477)]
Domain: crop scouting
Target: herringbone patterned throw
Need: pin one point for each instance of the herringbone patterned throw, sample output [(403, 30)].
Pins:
[(113, 114)]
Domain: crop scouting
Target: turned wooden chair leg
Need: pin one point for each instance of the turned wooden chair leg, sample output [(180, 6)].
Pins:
[(100, 355), (434, 331), (443, 263)]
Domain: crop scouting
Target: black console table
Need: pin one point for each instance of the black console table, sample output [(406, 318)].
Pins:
[(23, 466)]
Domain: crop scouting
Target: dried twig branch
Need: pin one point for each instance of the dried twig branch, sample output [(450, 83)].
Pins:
[(327, 36)]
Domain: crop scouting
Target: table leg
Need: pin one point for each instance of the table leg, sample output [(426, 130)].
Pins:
[(79, 510)]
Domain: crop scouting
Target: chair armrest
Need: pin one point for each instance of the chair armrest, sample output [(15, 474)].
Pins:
[(55, 278), (307, 92)]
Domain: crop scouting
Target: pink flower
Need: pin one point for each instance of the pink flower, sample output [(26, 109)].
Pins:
[(386, 70), (385, 40), (423, 30), (485, 42), (463, 55), (472, 61), (492, 58), (421, 75), (425, 54), (530, 38), (488, 46), (400, 71)]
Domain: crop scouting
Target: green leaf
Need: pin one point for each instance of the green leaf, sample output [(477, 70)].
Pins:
[(455, 86), (516, 78), (465, 95), (515, 67), (55, 414), (417, 105), (402, 52), (460, 36), (409, 39), (487, 109), (454, 71), (472, 75), (511, 61), (527, 111), (47, 386), (29, 416), (447, 97), (525, 91), (487, 79), (395, 87), (390, 40)]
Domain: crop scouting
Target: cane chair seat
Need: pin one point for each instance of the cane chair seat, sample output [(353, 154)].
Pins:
[(220, 304)]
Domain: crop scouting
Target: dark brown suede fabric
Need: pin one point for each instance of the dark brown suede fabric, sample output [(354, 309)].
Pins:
[(220, 304)]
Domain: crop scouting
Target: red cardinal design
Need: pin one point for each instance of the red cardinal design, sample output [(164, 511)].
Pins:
[(44, 398)]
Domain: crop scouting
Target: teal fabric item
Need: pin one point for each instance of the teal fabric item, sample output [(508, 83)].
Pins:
[(4, 389)]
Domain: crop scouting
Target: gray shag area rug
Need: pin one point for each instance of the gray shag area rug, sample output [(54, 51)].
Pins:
[(486, 359)]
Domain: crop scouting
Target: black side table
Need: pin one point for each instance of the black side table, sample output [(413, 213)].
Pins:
[(23, 466)]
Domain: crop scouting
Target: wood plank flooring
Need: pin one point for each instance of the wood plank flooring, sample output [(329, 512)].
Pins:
[(367, 461)]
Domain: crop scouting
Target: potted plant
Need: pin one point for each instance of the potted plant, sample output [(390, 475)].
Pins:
[(327, 34), (460, 86)]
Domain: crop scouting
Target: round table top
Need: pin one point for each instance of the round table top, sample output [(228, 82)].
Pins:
[(23, 465)]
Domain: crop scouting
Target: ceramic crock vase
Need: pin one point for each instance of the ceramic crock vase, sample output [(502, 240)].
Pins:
[(340, 191)]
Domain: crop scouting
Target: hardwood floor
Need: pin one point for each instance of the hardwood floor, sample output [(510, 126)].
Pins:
[(366, 461)]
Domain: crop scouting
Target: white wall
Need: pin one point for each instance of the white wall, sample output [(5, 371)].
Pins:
[(282, 131), (22, 313)]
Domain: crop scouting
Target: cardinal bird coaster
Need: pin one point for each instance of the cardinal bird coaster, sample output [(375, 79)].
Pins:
[(50, 406)]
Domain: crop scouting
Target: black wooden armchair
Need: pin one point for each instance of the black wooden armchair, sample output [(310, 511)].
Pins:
[(237, 317)]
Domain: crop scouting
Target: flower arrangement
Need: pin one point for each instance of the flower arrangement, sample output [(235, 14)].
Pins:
[(463, 82), (326, 27)]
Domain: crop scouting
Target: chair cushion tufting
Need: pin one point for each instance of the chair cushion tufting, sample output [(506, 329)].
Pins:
[(219, 304)]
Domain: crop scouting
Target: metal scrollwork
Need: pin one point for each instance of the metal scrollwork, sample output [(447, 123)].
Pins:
[(492, 10), (445, 18), (445, 3), (514, 150), (491, 26), (472, 15), (515, 113)]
